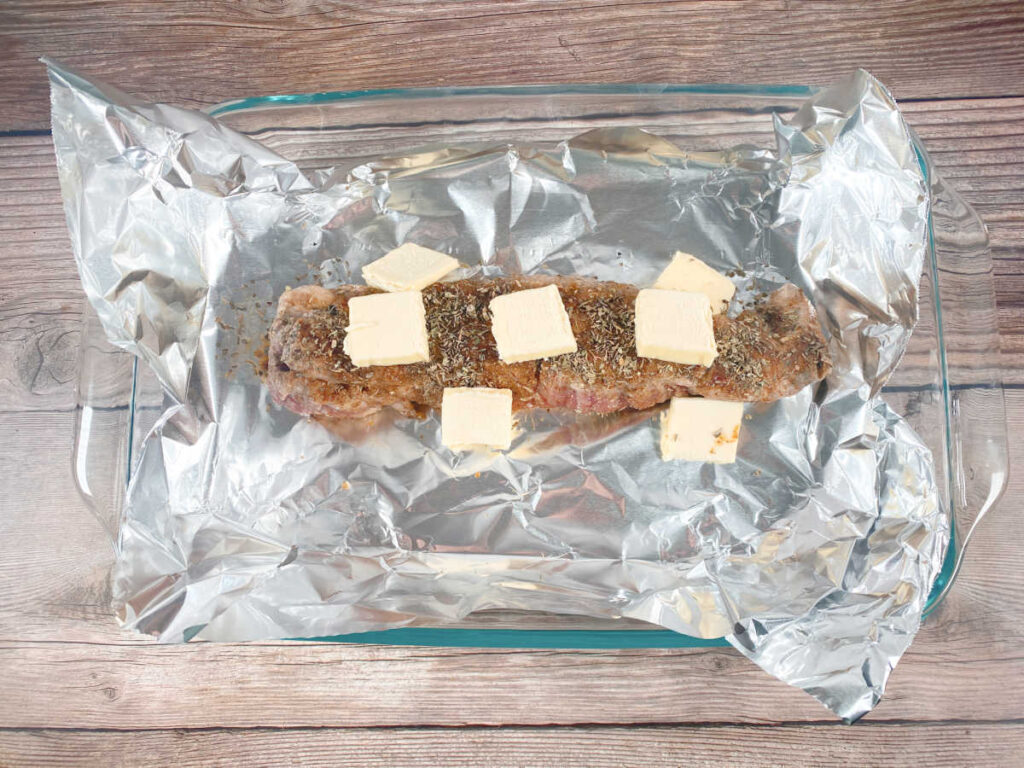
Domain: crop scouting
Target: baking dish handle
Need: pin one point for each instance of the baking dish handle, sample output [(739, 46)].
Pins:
[(970, 334), (104, 413)]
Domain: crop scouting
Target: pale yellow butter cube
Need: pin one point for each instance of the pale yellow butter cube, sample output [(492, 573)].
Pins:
[(408, 267), (387, 329), (531, 325), (676, 326), (476, 416), (697, 429), (688, 273)]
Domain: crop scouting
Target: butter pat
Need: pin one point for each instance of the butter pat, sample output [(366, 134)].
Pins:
[(531, 325), (697, 429), (476, 416), (408, 267), (675, 326), (688, 273), (386, 329)]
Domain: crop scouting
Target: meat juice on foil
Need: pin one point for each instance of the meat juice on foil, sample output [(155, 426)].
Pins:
[(813, 554)]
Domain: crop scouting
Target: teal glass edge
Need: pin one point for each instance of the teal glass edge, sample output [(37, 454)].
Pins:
[(591, 639), (949, 561), (654, 89), (582, 639)]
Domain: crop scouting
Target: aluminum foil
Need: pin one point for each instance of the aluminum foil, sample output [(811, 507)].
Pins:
[(813, 553)]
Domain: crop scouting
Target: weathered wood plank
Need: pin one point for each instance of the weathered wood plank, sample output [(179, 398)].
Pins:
[(864, 745), (204, 686), (922, 49)]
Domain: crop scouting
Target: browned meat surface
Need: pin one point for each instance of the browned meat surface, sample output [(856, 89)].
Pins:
[(770, 351)]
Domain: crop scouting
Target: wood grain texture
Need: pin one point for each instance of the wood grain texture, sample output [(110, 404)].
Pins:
[(978, 147), (714, 745), (81, 690), (203, 53)]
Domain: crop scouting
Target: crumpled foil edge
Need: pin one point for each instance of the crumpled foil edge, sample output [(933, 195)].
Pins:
[(164, 204)]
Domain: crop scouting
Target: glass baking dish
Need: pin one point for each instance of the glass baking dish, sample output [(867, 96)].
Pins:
[(948, 385)]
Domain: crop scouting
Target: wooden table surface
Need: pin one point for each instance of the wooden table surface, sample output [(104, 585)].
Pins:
[(79, 689)]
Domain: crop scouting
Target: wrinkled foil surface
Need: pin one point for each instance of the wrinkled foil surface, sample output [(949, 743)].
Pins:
[(813, 553)]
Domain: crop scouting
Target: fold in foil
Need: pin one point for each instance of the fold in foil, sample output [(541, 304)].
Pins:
[(813, 554)]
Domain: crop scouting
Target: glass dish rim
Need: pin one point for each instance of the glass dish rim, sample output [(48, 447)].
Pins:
[(549, 89), (590, 638)]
